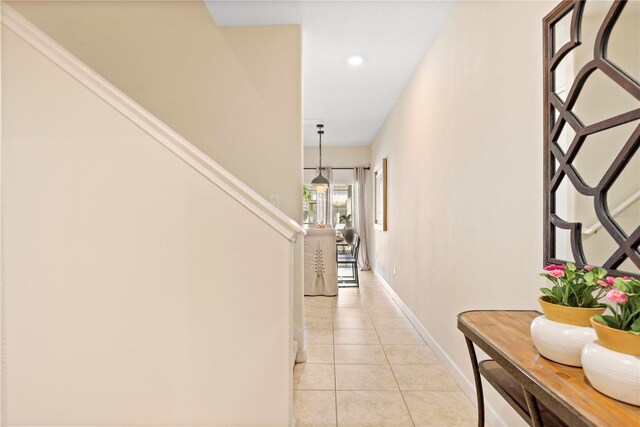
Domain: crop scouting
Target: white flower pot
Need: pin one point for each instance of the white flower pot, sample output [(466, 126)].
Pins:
[(560, 342), (615, 374)]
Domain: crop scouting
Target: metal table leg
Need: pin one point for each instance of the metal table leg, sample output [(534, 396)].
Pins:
[(478, 380)]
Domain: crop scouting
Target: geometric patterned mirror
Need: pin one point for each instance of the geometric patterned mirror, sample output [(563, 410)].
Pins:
[(592, 135)]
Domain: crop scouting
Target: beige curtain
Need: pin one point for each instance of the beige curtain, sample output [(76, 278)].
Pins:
[(328, 205), (361, 217)]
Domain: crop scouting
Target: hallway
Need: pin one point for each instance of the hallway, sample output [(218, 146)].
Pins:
[(368, 366)]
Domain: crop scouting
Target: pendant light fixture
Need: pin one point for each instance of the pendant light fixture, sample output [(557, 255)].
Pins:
[(320, 183)]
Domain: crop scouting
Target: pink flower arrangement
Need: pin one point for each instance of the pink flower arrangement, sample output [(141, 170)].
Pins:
[(617, 296), (556, 273), (554, 267), (574, 287), (625, 314)]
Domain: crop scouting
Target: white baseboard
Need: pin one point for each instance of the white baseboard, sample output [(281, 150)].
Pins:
[(454, 370)]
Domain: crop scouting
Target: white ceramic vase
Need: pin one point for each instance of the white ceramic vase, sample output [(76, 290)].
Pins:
[(560, 342), (615, 374)]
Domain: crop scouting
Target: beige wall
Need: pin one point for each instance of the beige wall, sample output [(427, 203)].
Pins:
[(337, 157), (235, 93), (464, 146), (125, 300)]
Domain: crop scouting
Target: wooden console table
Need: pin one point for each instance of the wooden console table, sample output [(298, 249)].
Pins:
[(543, 392)]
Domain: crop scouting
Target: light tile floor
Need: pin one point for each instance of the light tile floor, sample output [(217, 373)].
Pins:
[(368, 366)]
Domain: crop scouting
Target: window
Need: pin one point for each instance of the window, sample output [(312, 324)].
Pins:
[(341, 202), (309, 204)]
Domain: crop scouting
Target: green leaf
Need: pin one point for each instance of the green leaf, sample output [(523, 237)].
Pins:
[(599, 272), (610, 321), (571, 266), (622, 285), (635, 326), (550, 294), (588, 301)]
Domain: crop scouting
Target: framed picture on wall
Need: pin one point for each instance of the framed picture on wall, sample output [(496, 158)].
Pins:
[(380, 179)]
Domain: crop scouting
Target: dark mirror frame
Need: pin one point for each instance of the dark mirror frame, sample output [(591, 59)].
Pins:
[(627, 244)]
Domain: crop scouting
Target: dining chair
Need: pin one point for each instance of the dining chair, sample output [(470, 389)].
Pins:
[(351, 260)]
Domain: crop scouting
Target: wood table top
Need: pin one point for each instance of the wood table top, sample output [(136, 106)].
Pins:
[(504, 334)]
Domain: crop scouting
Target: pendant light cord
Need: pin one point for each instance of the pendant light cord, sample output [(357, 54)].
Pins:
[(320, 132), (320, 181)]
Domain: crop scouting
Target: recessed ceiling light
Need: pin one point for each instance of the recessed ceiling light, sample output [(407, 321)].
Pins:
[(355, 60)]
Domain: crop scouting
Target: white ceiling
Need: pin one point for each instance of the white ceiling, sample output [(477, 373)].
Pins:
[(352, 102)]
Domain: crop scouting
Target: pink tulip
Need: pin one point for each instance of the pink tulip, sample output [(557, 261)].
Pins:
[(617, 296), (610, 280), (556, 273), (588, 267), (603, 283), (626, 278), (554, 267)]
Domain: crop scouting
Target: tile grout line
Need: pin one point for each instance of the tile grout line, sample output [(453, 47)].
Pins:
[(369, 318), (348, 298), (384, 351)]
